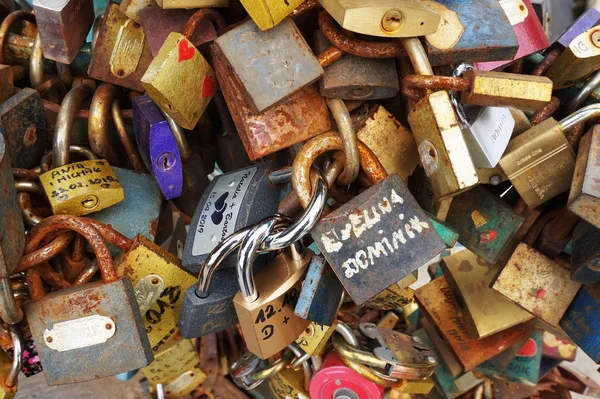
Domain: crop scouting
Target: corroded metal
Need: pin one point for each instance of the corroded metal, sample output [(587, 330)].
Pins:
[(584, 197), (100, 109), (6, 24)]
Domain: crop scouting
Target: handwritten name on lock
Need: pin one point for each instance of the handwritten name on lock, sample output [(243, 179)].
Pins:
[(378, 238)]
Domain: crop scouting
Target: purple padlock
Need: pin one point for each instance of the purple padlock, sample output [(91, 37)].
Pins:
[(587, 20), (158, 146)]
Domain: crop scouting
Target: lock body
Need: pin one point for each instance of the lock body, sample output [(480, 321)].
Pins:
[(536, 283), (288, 383), (63, 27), (367, 247), (269, 79), (395, 296), (132, 8), (75, 343), (121, 54), (315, 337), (485, 310), (321, 293), (485, 224), (182, 385), (585, 258), (357, 78), (23, 125), (539, 163), (558, 348), (186, 97), (143, 259), (584, 197), (391, 142), (176, 357), (173, 4), (158, 146), (580, 324)]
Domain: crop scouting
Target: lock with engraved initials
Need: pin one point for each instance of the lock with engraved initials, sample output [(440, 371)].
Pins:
[(90, 331), (186, 97)]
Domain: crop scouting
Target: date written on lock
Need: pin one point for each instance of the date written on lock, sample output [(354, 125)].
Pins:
[(83, 187)]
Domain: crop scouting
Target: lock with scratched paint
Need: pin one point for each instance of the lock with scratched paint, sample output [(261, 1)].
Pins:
[(121, 54), (367, 247), (157, 146), (63, 27), (23, 125), (315, 337), (186, 97), (584, 196), (485, 224), (90, 331), (144, 258), (580, 324), (176, 357), (485, 311), (536, 283), (356, 78)]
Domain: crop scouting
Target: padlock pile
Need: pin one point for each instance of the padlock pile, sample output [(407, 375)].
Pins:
[(301, 198)]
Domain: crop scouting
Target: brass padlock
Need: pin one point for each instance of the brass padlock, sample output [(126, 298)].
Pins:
[(585, 188), (176, 357), (186, 97)]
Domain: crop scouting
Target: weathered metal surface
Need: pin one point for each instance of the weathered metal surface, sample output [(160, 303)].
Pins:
[(231, 202), (158, 146), (298, 118), (354, 78), (63, 27), (395, 296), (12, 230), (23, 125), (176, 357), (584, 197), (260, 62), (485, 224), (447, 233), (529, 31), (127, 349), (109, 43), (487, 35), (581, 323), (138, 213), (585, 21), (585, 258), (537, 284), (557, 348), (485, 310), (158, 23), (371, 240), (315, 338), (145, 258), (437, 302), (321, 293)]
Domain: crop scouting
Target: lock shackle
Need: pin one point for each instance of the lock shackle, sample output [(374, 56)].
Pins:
[(110, 235), (248, 251), (360, 48), (12, 377), (329, 56), (28, 186), (49, 251), (46, 161), (96, 27), (81, 226), (185, 150), (64, 123), (36, 63), (6, 24), (436, 82), (275, 367), (302, 359), (551, 56), (198, 17), (348, 135), (458, 106), (10, 312), (25, 174), (580, 116), (346, 332), (30, 217), (584, 92), (417, 55), (100, 110), (131, 148), (355, 354), (49, 84)]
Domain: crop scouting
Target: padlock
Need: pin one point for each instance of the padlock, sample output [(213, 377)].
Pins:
[(23, 125), (558, 348), (485, 224), (367, 247), (470, 33), (195, 77), (321, 294), (231, 202), (132, 9), (445, 381), (52, 19), (121, 54), (158, 23), (315, 337), (537, 284), (540, 162), (390, 141), (288, 383), (438, 302), (584, 187), (528, 29), (580, 324), (144, 258), (269, 80), (441, 347), (301, 116), (485, 311), (91, 331), (267, 15), (158, 146), (584, 259), (170, 4), (265, 306), (9, 368), (395, 296), (405, 18), (334, 378), (357, 78), (492, 89), (176, 357), (183, 384)]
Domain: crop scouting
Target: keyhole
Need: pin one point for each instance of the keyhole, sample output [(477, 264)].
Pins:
[(165, 161), (89, 202)]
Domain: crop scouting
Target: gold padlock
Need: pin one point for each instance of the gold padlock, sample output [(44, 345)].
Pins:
[(175, 358), (314, 338), (585, 190)]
